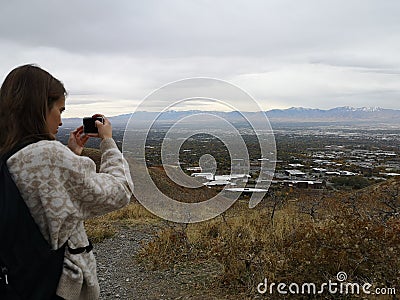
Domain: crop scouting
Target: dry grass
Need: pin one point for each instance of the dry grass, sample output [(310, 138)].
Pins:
[(133, 212), (103, 227), (310, 239), (99, 229)]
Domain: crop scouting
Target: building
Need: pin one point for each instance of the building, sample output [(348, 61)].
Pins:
[(304, 184), (295, 173)]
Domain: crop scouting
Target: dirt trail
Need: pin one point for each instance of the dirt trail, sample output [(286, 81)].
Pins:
[(120, 277)]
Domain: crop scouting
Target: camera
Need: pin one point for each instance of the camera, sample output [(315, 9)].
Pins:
[(89, 125)]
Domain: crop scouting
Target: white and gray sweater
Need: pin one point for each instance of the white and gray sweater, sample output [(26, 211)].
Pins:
[(61, 190)]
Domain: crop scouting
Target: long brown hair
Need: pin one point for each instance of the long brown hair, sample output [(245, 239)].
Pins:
[(26, 95)]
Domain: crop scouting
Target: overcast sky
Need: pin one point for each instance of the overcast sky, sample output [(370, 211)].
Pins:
[(111, 54)]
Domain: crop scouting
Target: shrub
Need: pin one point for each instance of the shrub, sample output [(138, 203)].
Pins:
[(355, 182)]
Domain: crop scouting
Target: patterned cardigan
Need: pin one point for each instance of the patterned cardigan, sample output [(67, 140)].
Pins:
[(61, 190)]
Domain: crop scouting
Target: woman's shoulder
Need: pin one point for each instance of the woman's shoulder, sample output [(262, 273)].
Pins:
[(46, 143), (49, 153), (45, 147)]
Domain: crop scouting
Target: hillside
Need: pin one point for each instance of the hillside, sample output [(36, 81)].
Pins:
[(177, 192), (294, 235)]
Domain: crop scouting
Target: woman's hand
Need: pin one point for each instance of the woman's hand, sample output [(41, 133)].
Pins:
[(77, 140), (105, 130)]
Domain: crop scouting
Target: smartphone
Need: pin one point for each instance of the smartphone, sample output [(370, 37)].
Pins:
[(89, 125)]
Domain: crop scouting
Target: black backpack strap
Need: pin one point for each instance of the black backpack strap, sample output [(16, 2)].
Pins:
[(15, 149), (81, 249)]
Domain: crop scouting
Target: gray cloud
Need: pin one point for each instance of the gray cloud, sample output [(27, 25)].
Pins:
[(201, 28), (286, 53)]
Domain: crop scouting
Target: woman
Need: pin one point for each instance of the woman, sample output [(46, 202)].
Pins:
[(60, 188)]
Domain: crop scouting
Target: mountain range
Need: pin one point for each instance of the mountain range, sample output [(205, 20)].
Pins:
[(346, 114), (338, 114)]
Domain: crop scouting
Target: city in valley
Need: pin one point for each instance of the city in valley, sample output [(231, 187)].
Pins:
[(308, 156)]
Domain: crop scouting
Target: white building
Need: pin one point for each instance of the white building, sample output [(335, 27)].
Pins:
[(295, 173)]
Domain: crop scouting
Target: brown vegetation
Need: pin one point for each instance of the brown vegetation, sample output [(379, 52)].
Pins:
[(177, 192), (309, 239), (292, 236)]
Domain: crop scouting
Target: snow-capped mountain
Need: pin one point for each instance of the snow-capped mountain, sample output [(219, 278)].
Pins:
[(337, 114)]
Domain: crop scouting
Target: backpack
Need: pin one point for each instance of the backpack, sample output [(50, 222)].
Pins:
[(29, 268)]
